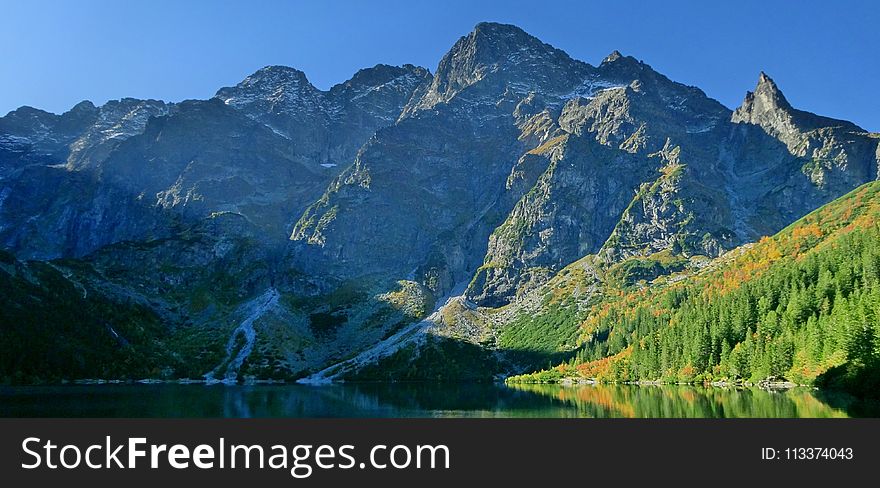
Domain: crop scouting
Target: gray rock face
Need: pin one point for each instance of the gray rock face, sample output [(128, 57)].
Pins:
[(325, 128), (207, 157), (48, 211), (412, 186), (768, 108), (500, 58), (117, 120), (806, 161), (837, 152), (263, 149), (442, 167), (675, 212), (877, 136), (569, 211), (712, 185), (615, 159), (33, 136), (603, 146)]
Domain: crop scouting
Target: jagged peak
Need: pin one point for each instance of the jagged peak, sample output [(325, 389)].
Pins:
[(767, 98), (491, 43), (767, 86), (619, 64), (279, 69), (27, 110), (514, 60), (274, 88), (622, 69), (614, 56), (497, 28), (83, 106), (768, 108), (291, 77), (270, 79)]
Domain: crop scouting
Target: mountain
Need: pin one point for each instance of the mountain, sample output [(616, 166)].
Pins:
[(128, 169), (398, 223), (494, 106)]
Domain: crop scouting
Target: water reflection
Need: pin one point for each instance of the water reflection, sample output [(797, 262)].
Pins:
[(409, 400), (629, 401)]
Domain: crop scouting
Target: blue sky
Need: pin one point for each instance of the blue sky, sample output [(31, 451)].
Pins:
[(824, 56)]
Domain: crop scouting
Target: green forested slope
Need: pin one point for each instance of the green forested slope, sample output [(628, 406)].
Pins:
[(53, 328), (803, 305)]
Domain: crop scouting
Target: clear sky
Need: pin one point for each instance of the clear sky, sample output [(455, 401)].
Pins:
[(825, 56)]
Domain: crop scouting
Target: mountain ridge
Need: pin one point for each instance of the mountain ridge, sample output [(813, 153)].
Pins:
[(356, 208)]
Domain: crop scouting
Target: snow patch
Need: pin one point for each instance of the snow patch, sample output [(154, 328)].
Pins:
[(10, 141), (590, 88), (278, 132), (702, 129)]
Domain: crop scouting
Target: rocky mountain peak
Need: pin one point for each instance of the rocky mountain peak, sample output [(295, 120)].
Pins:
[(278, 74), (501, 57), (492, 47), (278, 89), (764, 81), (762, 103), (83, 107), (495, 33), (768, 108), (381, 80), (48, 131), (619, 67), (381, 74), (614, 56)]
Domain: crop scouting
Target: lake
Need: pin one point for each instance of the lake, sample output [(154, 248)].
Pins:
[(416, 400)]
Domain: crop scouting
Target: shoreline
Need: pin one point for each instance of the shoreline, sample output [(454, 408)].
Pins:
[(565, 382), (763, 385)]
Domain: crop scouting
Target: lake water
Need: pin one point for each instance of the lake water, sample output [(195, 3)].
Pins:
[(414, 400)]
